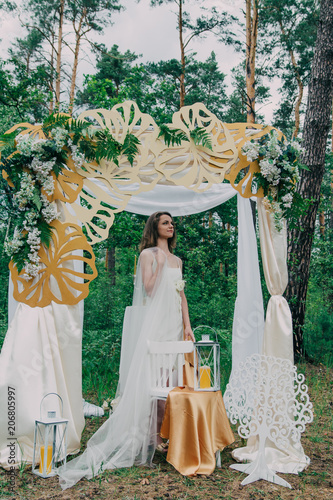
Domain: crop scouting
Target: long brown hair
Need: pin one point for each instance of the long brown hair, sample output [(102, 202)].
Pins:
[(150, 232)]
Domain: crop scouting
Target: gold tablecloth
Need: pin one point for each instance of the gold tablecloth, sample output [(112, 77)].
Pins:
[(196, 425)]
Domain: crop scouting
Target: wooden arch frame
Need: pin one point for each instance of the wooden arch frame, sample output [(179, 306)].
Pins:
[(91, 195)]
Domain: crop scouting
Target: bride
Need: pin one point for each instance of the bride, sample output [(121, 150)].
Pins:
[(159, 312)]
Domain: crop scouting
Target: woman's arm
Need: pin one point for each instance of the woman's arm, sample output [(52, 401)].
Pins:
[(148, 276), (188, 333)]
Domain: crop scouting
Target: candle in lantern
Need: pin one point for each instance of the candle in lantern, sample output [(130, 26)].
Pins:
[(48, 459), (204, 377)]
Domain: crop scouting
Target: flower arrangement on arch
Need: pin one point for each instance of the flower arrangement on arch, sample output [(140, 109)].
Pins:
[(31, 165), (278, 174), (29, 173)]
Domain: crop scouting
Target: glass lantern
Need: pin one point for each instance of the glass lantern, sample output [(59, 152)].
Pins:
[(50, 440), (206, 362)]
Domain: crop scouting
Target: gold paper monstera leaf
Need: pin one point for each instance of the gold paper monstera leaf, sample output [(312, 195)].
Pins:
[(58, 280), (120, 120), (68, 184), (97, 208), (107, 188), (194, 166), (27, 128), (241, 173)]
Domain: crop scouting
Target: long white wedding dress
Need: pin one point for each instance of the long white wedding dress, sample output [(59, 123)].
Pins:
[(129, 436)]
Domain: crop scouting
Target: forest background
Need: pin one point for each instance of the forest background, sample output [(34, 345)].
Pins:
[(270, 41)]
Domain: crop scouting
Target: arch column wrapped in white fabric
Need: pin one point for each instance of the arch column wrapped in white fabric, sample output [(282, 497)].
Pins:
[(278, 337), (41, 354)]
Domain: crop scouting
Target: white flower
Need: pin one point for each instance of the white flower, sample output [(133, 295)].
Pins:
[(34, 239), (287, 200), (14, 245), (31, 270), (251, 150), (48, 185), (24, 144), (33, 257), (60, 136), (297, 148), (50, 212), (26, 192), (29, 220), (77, 157), (180, 285), (42, 168), (273, 148), (270, 171), (27, 144)]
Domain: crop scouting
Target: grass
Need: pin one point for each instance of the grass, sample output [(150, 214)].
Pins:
[(163, 481)]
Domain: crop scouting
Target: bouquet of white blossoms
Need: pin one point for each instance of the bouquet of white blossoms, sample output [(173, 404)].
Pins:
[(279, 172)]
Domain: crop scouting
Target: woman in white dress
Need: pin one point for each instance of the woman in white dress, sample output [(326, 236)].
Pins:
[(159, 312)]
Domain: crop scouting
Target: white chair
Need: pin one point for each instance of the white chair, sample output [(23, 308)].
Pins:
[(166, 366), (168, 358)]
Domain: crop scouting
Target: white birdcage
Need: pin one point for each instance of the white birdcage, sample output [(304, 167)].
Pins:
[(50, 441), (206, 361)]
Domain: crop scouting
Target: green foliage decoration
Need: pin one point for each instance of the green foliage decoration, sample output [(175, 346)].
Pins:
[(30, 162), (175, 136)]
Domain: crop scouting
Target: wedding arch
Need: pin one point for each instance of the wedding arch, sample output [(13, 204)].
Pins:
[(42, 348)]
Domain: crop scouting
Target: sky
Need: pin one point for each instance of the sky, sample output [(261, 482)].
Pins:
[(151, 31)]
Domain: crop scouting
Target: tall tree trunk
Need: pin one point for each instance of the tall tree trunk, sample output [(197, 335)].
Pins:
[(78, 36), (182, 55), (251, 46), (111, 260), (298, 79), (58, 69), (331, 213), (51, 79), (316, 128)]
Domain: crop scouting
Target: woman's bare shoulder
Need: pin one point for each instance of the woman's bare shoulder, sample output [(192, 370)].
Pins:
[(179, 260), (148, 254)]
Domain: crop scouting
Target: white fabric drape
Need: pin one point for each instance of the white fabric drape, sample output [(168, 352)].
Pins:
[(178, 200), (248, 324), (278, 337), (41, 354)]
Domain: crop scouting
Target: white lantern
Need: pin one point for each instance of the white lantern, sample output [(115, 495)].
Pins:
[(50, 440), (207, 362)]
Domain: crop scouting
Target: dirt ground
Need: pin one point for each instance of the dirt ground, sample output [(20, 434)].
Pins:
[(164, 482)]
